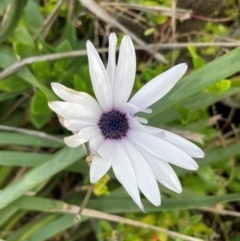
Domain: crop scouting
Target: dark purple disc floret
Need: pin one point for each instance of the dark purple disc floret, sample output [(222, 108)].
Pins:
[(113, 125)]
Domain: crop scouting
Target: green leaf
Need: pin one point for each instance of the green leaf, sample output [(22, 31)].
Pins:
[(219, 87), (55, 227), (197, 81), (13, 17), (214, 156), (7, 213), (148, 31), (184, 114), (25, 50), (28, 229), (39, 120), (125, 204), (40, 113), (204, 99), (8, 58), (112, 205), (28, 159), (39, 104), (198, 62), (13, 84), (58, 162), (63, 47), (34, 18), (21, 34), (3, 5), (6, 96), (70, 34), (8, 138)]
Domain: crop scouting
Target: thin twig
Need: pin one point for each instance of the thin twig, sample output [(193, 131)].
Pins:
[(102, 14), (50, 19), (114, 218), (213, 20), (84, 203), (49, 57), (5, 16), (70, 10), (181, 14), (220, 211), (173, 23), (31, 133)]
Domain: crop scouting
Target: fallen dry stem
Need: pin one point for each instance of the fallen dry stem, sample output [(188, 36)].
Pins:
[(181, 14), (99, 12), (114, 218), (50, 57), (31, 133)]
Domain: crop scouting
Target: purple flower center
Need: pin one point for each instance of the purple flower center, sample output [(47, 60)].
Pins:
[(113, 125)]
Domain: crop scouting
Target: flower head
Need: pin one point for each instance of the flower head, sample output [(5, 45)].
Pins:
[(139, 154)]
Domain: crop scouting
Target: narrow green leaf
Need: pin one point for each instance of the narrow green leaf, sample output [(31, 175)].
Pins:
[(10, 138), (197, 81), (30, 159), (55, 227), (39, 104), (13, 17), (58, 162), (7, 213), (126, 204), (34, 18), (31, 227), (108, 204)]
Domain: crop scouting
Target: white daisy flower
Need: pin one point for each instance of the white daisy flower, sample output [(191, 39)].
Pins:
[(138, 154)]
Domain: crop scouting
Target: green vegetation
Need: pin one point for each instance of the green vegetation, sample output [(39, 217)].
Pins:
[(43, 182)]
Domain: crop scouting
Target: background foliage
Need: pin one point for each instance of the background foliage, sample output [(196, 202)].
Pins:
[(43, 182)]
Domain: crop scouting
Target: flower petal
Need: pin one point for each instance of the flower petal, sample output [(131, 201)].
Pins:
[(111, 65), (164, 150), (162, 170), (124, 173), (77, 97), (158, 87), (69, 110), (96, 143), (77, 125), (182, 143), (100, 165), (144, 175), (81, 137), (125, 72), (100, 80), (128, 107)]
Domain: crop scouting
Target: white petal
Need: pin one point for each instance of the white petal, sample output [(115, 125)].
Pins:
[(135, 125), (158, 87), (69, 110), (125, 72), (77, 125), (182, 143), (81, 137), (96, 143), (111, 65), (162, 149), (144, 175), (100, 165), (71, 95), (163, 172), (100, 80), (124, 173), (128, 107)]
